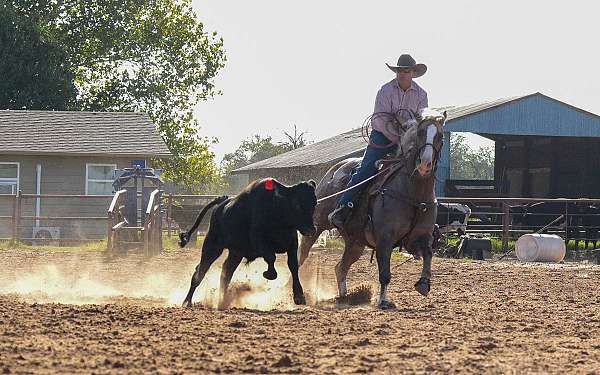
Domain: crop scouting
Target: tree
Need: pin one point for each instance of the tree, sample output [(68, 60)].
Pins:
[(466, 164), (34, 69), (151, 56), (294, 141), (257, 148), (254, 149)]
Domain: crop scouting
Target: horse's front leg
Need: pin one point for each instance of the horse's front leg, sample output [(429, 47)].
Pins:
[(383, 251), (423, 246)]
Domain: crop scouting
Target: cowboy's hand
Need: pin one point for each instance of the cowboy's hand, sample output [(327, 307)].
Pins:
[(410, 122)]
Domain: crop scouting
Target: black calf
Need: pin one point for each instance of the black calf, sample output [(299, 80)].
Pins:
[(259, 222)]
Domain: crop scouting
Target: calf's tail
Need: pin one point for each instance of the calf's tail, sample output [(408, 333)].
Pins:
[(185, 237)]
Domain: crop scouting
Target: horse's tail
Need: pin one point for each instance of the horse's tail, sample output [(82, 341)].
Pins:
[(185, 237)]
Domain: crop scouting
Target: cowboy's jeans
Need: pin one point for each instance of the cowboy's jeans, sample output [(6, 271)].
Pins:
[(367, 166)]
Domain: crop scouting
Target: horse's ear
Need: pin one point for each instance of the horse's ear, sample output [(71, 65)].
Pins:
[(445, 114), (312, 183)]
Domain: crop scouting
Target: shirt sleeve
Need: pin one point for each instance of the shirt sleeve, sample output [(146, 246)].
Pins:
[(382, 104), (424, 102)]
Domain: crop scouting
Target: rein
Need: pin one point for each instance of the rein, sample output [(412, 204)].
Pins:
[(421, 206), (355, 186)]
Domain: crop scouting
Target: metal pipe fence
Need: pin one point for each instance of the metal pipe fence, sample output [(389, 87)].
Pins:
[(83, 218), (76, 219)]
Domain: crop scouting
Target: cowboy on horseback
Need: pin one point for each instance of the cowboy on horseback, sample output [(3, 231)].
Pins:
[(401, 96)]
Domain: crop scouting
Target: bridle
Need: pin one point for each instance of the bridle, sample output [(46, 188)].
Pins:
[(437, 151)]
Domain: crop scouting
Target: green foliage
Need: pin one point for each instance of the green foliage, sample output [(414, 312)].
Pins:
[(258, 148), (34, 69), (466, 164), (397, 256), (146, 56), (254, 149), (86, 247), (335, 243)]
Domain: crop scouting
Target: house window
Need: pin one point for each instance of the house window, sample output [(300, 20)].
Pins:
[(9, 177), (99, 179)]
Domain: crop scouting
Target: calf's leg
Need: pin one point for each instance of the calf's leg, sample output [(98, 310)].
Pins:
[(269, 257), (292, 261), (234, 258), (257, 241), (211, 251)]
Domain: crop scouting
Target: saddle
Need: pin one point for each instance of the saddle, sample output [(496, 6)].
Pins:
[(360, 218)]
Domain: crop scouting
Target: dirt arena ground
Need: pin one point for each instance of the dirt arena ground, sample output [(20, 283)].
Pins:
[(88, 313)]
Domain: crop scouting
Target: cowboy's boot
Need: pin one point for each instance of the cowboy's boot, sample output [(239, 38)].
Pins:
[(339, 216)]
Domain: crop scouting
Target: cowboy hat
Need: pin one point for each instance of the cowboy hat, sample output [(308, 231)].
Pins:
[(406, 61)]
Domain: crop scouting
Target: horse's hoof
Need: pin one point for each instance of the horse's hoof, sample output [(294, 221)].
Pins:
[(386, 305), (422, 286), (299, 299), (270, 275), (187, 304)]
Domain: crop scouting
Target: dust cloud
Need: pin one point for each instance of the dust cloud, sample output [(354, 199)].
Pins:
[(157, 281)]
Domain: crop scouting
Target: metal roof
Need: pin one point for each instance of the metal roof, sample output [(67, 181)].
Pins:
[(533, 114), (79, 133), (455, 112)]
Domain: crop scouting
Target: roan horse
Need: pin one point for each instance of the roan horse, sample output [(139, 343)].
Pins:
[(398, 208)]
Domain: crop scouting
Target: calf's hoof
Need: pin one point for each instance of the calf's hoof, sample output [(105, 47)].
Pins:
[(270, 274), (386, 305), (299, 299), (187, 304), (422, 286), (183, 239)]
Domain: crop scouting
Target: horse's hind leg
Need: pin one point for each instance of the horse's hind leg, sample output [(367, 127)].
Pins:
[(306, 243), (211, 251), (352, 253)]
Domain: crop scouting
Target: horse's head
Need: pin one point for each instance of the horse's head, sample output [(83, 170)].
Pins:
[(422, 143)]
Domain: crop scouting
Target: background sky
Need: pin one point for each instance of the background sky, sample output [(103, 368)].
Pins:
[(319, 64)]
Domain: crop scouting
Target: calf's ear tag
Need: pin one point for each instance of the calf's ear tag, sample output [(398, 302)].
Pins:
[(269, 184)]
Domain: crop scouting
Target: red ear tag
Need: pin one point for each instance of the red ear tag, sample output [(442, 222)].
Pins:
[(269, 184)]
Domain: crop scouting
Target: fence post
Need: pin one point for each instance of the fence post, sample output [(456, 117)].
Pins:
[(169, 212), (160, 231), (109, 226), (16, 216), (146, 235), (567, 233), (505, 226)]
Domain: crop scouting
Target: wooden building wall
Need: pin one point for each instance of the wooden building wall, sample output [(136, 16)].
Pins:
[(60, 175)]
